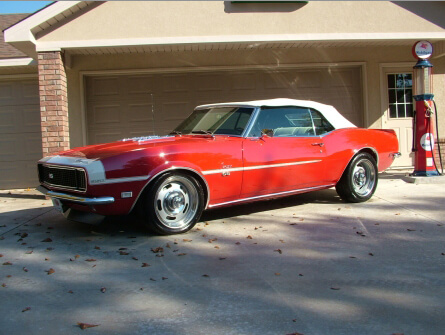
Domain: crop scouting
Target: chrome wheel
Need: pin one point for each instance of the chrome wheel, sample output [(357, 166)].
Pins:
[(173, 203), (359, 181), (363, 177), (176, 202)]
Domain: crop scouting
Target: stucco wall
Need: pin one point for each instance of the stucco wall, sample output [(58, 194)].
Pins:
[(216, 18)]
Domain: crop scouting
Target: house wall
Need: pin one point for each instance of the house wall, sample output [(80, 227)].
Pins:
[(219, 18)]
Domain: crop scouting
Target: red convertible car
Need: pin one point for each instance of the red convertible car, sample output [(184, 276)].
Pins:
[(222, 154)]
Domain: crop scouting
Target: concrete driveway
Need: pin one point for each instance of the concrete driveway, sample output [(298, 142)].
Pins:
[(307, 264)]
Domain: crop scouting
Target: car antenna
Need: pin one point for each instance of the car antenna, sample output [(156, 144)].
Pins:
[(153, 112)]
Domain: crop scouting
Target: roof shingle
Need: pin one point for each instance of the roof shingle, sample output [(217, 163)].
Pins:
[(6, 50)]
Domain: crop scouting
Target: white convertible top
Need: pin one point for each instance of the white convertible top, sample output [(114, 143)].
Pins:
[(329, 112)]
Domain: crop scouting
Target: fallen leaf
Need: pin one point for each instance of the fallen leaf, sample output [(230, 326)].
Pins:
[(152, 279), (164, 278), (144, 265), (279, 251), (157, 250), (51, 271), (25, 269), (103, 289), (238, 243), (296, 332), (187, 240), (216, 247), (168, 245), (7, 263), (277, 274), (26, 309), (182, 254), (213, 240), (249, 237), (135, 258), (84, 326), (4, 285), (1, 255), (70, 291), (76, 256), (335, 288), (97, 248), (123, 253), (47, 240), (24, 235), (282, 241), (29, 252), (371, 254), (411, 229), (222, 258), (123, 248), (206, 276), (90, 260)]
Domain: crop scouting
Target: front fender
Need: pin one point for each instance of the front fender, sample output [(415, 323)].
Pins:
[(193, 169)]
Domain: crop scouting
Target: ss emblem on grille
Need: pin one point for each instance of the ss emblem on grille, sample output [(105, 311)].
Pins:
[(50, 176)]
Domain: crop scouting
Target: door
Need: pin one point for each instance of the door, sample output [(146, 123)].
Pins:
[(399, 112), (282, 153)]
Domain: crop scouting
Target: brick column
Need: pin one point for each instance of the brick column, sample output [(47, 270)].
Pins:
[(53, 103)]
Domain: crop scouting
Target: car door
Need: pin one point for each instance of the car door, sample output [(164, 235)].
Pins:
[(282, 153)]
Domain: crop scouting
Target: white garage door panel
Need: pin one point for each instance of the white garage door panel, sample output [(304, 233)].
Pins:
[(121, 106), (20, 134)]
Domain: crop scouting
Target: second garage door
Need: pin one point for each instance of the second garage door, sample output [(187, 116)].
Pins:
[(20, 133), (122, 106)]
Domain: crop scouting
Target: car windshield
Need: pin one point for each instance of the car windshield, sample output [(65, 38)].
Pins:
[(216, 120)]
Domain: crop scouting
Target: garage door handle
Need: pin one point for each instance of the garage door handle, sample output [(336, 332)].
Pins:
[(319, 144)]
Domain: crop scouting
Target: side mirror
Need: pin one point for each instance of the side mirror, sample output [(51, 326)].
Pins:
[(267, 133)]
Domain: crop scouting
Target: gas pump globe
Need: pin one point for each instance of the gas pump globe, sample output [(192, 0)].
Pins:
[(424, 164), (423, 80)]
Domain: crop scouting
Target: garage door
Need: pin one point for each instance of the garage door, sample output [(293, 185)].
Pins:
[(20, 134), (123, 106)]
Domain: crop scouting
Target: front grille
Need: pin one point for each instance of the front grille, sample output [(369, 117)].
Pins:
[(63, 177)]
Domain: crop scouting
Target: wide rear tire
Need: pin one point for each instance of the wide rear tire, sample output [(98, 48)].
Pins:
[(359, 181), (173, 204)]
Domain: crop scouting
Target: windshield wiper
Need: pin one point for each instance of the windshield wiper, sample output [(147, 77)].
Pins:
[(175, 132), (201, 131)]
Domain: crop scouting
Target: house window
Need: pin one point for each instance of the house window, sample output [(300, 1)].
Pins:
[(400, 95)]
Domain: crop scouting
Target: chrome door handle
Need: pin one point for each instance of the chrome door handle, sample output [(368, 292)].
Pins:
[(319, 144)]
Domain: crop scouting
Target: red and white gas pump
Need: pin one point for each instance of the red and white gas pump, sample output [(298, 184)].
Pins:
[(424, 147)]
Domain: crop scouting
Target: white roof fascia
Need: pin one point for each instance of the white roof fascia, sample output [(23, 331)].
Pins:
[(352, 37), (17, 62), (329, 112), (21, 32)]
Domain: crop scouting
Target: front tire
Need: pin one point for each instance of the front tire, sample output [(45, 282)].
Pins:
[(173, 204), (359, 181)]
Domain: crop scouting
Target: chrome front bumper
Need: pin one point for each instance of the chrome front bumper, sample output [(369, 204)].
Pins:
[(74, 198)]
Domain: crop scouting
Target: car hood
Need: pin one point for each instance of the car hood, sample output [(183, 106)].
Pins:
[(102, 151)]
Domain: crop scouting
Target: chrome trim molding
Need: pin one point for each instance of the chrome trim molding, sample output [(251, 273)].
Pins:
[(257, 167), (76, 199), (273, 195)]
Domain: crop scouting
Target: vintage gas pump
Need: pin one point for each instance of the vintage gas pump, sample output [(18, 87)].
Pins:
[(424, 164)]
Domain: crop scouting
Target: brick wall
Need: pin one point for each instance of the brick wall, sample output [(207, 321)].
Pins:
[(53, 103)]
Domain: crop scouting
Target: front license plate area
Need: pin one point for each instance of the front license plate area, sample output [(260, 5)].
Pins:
[(58, 205)]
